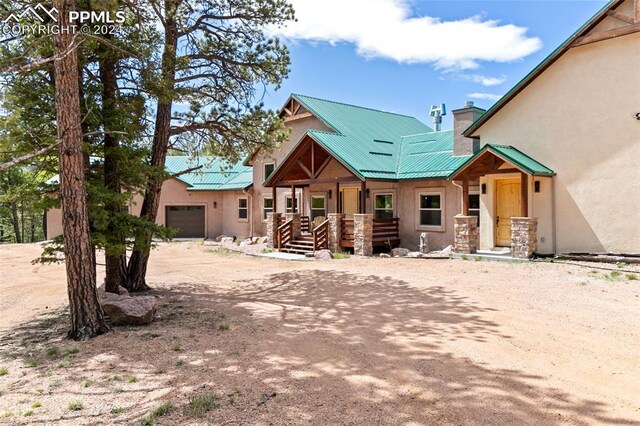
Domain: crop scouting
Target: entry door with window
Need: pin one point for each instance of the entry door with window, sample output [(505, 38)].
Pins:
[(507, 206), (350, 200)]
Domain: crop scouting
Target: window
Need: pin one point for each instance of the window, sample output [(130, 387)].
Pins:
[(288, 204), (268, 169), (431, 209), (267, 207), (383, 206), (474, 206), (318, 206), (243, 208)]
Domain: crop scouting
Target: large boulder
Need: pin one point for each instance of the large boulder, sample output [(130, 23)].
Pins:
[(227, 240), (127, 310), (262, 240), (399, 252), (323, 255), (102, 292)]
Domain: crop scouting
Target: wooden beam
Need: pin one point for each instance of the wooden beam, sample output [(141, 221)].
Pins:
[(338, 206), (304, 168), (619, 16), (322, 166), (363, 196), (305, 182), (287, 111), (606, 35), (293, 199), (298, 117), (313, 159), (524, 195), (465, 197), (636, 9), (274, 194)]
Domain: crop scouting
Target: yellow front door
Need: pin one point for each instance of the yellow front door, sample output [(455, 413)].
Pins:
[(349, 200), (507, 206)]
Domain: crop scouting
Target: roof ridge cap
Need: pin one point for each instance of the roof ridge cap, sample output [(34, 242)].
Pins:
[(355, 106)]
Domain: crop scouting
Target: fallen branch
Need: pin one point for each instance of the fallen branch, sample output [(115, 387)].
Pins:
[(184, 172)]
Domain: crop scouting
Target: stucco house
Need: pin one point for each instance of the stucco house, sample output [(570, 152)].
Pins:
[(578, 113), (550, 168)]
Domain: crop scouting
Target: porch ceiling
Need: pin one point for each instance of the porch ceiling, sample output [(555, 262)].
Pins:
[(491, 159)]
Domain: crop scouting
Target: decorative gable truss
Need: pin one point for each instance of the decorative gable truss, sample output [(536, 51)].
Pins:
[(620, 20), (294, 110)]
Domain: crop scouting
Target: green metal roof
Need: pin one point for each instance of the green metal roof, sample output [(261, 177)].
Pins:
[(215, 174), (542, 66), (382, 145), (512, 155)]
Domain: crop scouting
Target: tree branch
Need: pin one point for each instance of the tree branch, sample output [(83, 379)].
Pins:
[(16, 161)]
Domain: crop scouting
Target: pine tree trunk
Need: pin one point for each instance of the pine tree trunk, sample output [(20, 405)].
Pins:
[(115, 259), (137, 268), (16, 222), (87, 318)]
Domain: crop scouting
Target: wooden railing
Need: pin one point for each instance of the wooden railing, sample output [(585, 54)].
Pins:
[(304, 223), (346, 233), (285, 234), (321, 236), (386, 231)]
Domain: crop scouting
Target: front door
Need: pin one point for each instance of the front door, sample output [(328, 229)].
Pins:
[(349, 200), (507, 206)]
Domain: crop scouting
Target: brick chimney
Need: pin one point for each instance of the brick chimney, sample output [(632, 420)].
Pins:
[(463, 118)]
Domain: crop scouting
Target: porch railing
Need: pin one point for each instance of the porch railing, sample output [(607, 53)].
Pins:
[(321, 236), (304, 223), (346, 233), (386, 231), (285, 234)]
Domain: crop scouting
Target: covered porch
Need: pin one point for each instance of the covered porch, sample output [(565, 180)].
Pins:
[(326, 205), (505, 221)]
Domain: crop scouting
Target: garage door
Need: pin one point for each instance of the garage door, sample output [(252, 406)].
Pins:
[(187, 220)]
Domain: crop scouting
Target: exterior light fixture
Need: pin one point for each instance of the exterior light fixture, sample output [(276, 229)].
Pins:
[(484, 188), (536, 186), (366, 191)]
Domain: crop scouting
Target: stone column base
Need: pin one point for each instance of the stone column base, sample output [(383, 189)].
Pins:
[(524, 236), (272, 228), (297, 224), (335, 231), (363, 234), (465, 230)]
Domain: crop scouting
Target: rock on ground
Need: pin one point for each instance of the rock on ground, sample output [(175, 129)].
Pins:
[(127, 310), (323, 255), (399, 252)]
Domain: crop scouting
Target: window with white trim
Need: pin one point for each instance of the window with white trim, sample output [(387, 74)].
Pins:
[(383, 206), (288, 204), (268, 169), (431, 209), (474, 206), (267, 207), (318, 208), (243, 209)]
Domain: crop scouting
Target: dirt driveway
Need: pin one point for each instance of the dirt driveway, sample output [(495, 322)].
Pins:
[(243, 340)]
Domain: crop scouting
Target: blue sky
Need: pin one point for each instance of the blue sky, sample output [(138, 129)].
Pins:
[(404, 55)]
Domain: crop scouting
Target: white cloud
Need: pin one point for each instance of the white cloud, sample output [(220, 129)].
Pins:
[(483, 79), (488, 96), (387, 29)]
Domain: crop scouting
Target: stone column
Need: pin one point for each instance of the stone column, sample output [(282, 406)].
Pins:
[(465, 230), (524, 236), (272, 228), (297, 230), (363, 234), (335, 231)]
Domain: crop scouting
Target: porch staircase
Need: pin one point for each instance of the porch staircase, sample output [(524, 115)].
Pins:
[(301, 245)]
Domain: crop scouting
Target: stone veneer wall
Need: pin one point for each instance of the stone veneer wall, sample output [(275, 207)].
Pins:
[(524, 236), (465, 234), (297, 225), (272, 228), (363, 234), (335, 230)]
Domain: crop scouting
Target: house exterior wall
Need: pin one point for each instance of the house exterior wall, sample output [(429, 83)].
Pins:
[(219, 220), (408, 192), (298, 129), (577, 118)]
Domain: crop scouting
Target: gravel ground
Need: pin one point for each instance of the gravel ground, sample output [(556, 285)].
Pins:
[(246, 340)]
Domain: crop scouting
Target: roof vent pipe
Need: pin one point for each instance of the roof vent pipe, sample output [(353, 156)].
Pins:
[(436, 112), (468, 104)]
